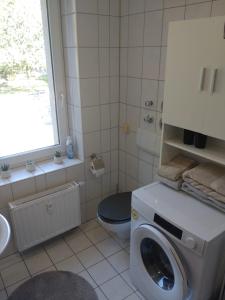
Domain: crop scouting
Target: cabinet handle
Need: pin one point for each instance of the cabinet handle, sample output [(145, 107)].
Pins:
[(202, 79), (213, 81)]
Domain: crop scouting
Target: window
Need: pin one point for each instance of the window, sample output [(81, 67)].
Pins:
[(32, 85)]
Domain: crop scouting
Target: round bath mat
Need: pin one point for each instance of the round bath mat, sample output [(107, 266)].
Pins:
[(56, 285)]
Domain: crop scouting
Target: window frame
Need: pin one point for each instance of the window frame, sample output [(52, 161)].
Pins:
[(53, 20)]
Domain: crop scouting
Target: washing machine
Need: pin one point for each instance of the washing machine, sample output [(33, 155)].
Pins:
[(177, 245)]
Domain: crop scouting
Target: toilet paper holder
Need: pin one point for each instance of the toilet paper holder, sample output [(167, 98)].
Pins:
[(97, 166)]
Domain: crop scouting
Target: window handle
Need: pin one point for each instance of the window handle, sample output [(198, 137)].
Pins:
[(213, 81), (202, 79)]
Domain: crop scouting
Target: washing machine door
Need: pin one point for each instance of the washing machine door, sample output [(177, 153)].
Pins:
[(155, 266)]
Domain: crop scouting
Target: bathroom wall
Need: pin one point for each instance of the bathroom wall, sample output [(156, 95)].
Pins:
[(143, 46), (91, 49)]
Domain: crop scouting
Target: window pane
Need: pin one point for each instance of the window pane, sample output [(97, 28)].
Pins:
[(27, 100)]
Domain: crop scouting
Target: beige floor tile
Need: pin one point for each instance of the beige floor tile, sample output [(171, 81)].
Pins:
[(12, 287), (133, 296), (14, 273), (89, 225), (86, 276), (108, 247), (37, 260), (78, 241), (127, 278), (100, 294), (116, 289), (50, 269), (71, 264), (97, 235), (90, 256), (58, 250), (3, 295), (120, 261), (9, 260), (102, 272)]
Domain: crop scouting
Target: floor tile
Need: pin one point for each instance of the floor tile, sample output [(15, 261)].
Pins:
[(14, 273), (90, 256), (133, 296), (89, 225), (78, 241), (102, 272), (71, 264), (140, 295), (9, 260), (1, 284), (127, 278), (37, 260), (97, 235), (100, 294), (86, 276), (108, 247), (58, 250), (116, 289), (120, 261), (50, 269), (3, 295)]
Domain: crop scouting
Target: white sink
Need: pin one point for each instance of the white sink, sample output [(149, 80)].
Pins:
[(4, 233)]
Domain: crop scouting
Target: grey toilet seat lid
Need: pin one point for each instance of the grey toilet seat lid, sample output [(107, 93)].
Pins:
[(116, 208)]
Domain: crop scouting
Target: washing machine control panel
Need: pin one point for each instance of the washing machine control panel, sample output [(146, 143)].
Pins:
[(190, 242)]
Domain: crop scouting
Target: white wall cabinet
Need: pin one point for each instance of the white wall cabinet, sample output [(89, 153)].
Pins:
[(195, 76)]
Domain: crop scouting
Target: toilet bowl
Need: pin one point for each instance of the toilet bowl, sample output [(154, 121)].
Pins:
[(114, 213)]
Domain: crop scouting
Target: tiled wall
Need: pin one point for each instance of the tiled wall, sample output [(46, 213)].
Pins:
[(91, 49), (143, 45)]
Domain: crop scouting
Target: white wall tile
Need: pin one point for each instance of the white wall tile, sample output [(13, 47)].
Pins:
[(123, 114), (114, 138), (92, 143), (153, 28), (103, 31), (56, 178), (123, 89), (145, 173), (89, 91), (131, 145), (114, 89), (91, 119), (114, 61), (114, 160), (88, 62), (136, 6), (105, 116), (162, 63), (134, 91), (104, 90), (195, 1), (124, 7), (218, 8), (106, 159), (136, 26), (115, 8), (145, 114), (87, 26), (114, 114), (71, 62), (114, 31), (151, 62), (105, 140), (171, 14), (73, 91), (153, 5), (5, 195), (69, 28), (160, 96), (87, 6), (124, 32), (104, 62), (135, 56), (93, 188), (133, 116), (123, 61), (68, 6), (103, 7), (149, 94), (132, 166), (202, 10), (23, 188), (173, 3)]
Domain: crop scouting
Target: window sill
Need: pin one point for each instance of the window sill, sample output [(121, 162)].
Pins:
[(44, 167)]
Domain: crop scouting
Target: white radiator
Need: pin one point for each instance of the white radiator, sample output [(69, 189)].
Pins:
[(42, 216)]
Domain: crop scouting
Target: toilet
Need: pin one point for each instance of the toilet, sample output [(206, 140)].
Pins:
[(114, 213)]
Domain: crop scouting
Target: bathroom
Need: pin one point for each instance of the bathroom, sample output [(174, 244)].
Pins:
[(106, 62)]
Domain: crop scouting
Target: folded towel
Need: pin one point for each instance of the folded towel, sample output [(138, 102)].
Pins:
[(175, 168), (176, 185), (209, 178), (198, 194)]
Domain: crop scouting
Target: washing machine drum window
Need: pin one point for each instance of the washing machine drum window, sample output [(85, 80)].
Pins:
[(157, 264)]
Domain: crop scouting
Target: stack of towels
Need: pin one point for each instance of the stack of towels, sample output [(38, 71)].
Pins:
[(171, 174), (206, 182)]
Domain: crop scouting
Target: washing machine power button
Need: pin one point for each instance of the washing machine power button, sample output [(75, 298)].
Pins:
[(190, 242)]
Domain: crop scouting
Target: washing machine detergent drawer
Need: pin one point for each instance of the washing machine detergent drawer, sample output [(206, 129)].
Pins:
[(156, 269)]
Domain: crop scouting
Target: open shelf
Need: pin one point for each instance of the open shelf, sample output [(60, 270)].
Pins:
[(212, 152)]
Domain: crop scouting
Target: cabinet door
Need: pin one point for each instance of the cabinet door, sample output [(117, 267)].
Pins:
[(214, 122), (186, 86)]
